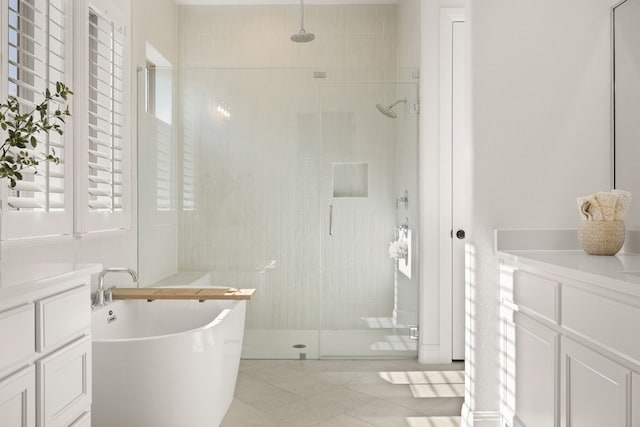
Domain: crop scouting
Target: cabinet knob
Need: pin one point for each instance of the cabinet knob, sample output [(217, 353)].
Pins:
[(460, 234)]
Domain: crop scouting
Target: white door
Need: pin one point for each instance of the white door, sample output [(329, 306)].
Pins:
[(460, 166), (367, 306)]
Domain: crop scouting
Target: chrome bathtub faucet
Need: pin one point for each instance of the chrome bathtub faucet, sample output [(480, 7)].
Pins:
[(99, 295)]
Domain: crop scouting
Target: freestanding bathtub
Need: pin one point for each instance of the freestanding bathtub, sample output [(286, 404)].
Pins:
[(165, 363)]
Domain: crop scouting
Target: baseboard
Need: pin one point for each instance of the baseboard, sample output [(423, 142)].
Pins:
[(431, 353), (471, 418)]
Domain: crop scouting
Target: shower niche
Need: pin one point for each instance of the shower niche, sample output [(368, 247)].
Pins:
[(351, 179)]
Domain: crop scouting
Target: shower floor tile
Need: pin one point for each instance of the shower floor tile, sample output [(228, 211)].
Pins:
[(346, 393)]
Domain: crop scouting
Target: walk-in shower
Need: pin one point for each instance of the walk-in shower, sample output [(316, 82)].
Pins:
[(284, 179)]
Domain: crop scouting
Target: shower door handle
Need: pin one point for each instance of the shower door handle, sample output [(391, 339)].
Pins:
[(330, 220)]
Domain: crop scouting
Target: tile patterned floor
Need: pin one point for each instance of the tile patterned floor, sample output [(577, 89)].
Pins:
[(346, 393)]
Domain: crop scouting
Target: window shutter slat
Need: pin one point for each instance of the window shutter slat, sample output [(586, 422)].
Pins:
[(23, 203), (29, 186)]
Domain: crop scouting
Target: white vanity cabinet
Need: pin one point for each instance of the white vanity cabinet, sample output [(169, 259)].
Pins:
[(45, 356), (570, 343)]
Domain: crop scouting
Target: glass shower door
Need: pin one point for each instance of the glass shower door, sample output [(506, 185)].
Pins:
[(368, 162), (293, 193)]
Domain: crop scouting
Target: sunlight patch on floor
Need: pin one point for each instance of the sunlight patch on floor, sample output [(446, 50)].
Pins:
[(437, 390), (423, 377)]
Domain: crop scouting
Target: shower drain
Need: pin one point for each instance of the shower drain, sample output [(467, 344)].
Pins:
[(301, 356)]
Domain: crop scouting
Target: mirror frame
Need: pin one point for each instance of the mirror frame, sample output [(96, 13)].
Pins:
[(612, 118)]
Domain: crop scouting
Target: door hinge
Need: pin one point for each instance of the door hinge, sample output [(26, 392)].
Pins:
[(413, 332)]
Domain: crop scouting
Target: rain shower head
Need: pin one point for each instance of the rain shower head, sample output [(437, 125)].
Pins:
[(302, 36), (387, 110)]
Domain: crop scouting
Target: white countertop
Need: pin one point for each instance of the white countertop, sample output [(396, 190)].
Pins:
[(620, 272), (19, 280)]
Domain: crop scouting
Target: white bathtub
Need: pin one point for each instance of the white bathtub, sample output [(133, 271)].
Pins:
[(165, 363)]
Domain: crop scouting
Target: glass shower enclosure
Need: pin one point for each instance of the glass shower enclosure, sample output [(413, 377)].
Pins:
[(296, 182)]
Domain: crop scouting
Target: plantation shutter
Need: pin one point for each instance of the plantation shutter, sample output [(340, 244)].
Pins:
[(38, 55), (189, 154), (106, 84), (164, 168), (102, 190)]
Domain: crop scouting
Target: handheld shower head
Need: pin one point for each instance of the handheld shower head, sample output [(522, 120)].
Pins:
[(388, 111)]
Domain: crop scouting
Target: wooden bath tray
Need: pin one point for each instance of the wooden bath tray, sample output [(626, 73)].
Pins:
[(182, 293)]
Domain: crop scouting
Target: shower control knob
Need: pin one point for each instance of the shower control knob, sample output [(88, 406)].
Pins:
[(460, 234)]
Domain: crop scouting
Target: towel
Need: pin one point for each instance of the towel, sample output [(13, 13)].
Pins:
[(583, 208), (589, 208), (604, 206), (607, 203), (622, 206)]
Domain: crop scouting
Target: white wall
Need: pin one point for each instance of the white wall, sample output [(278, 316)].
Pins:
[(540, 132), (346, 36)]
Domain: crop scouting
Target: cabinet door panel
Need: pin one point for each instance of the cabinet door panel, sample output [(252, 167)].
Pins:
[(64, 384), (536, 368), (594, 388), (17, 399)]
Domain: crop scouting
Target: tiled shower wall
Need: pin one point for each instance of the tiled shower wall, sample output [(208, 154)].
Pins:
[(349, 36), (264, 175)]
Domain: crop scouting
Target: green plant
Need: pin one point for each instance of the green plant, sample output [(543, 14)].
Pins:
[(17, 150)]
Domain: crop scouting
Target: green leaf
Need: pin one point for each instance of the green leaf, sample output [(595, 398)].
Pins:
[(22, 124)]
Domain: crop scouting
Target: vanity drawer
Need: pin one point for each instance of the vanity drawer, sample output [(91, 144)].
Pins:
[(62, 317), (536, 294), (605, 321), (64, 384), (17, 326)]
